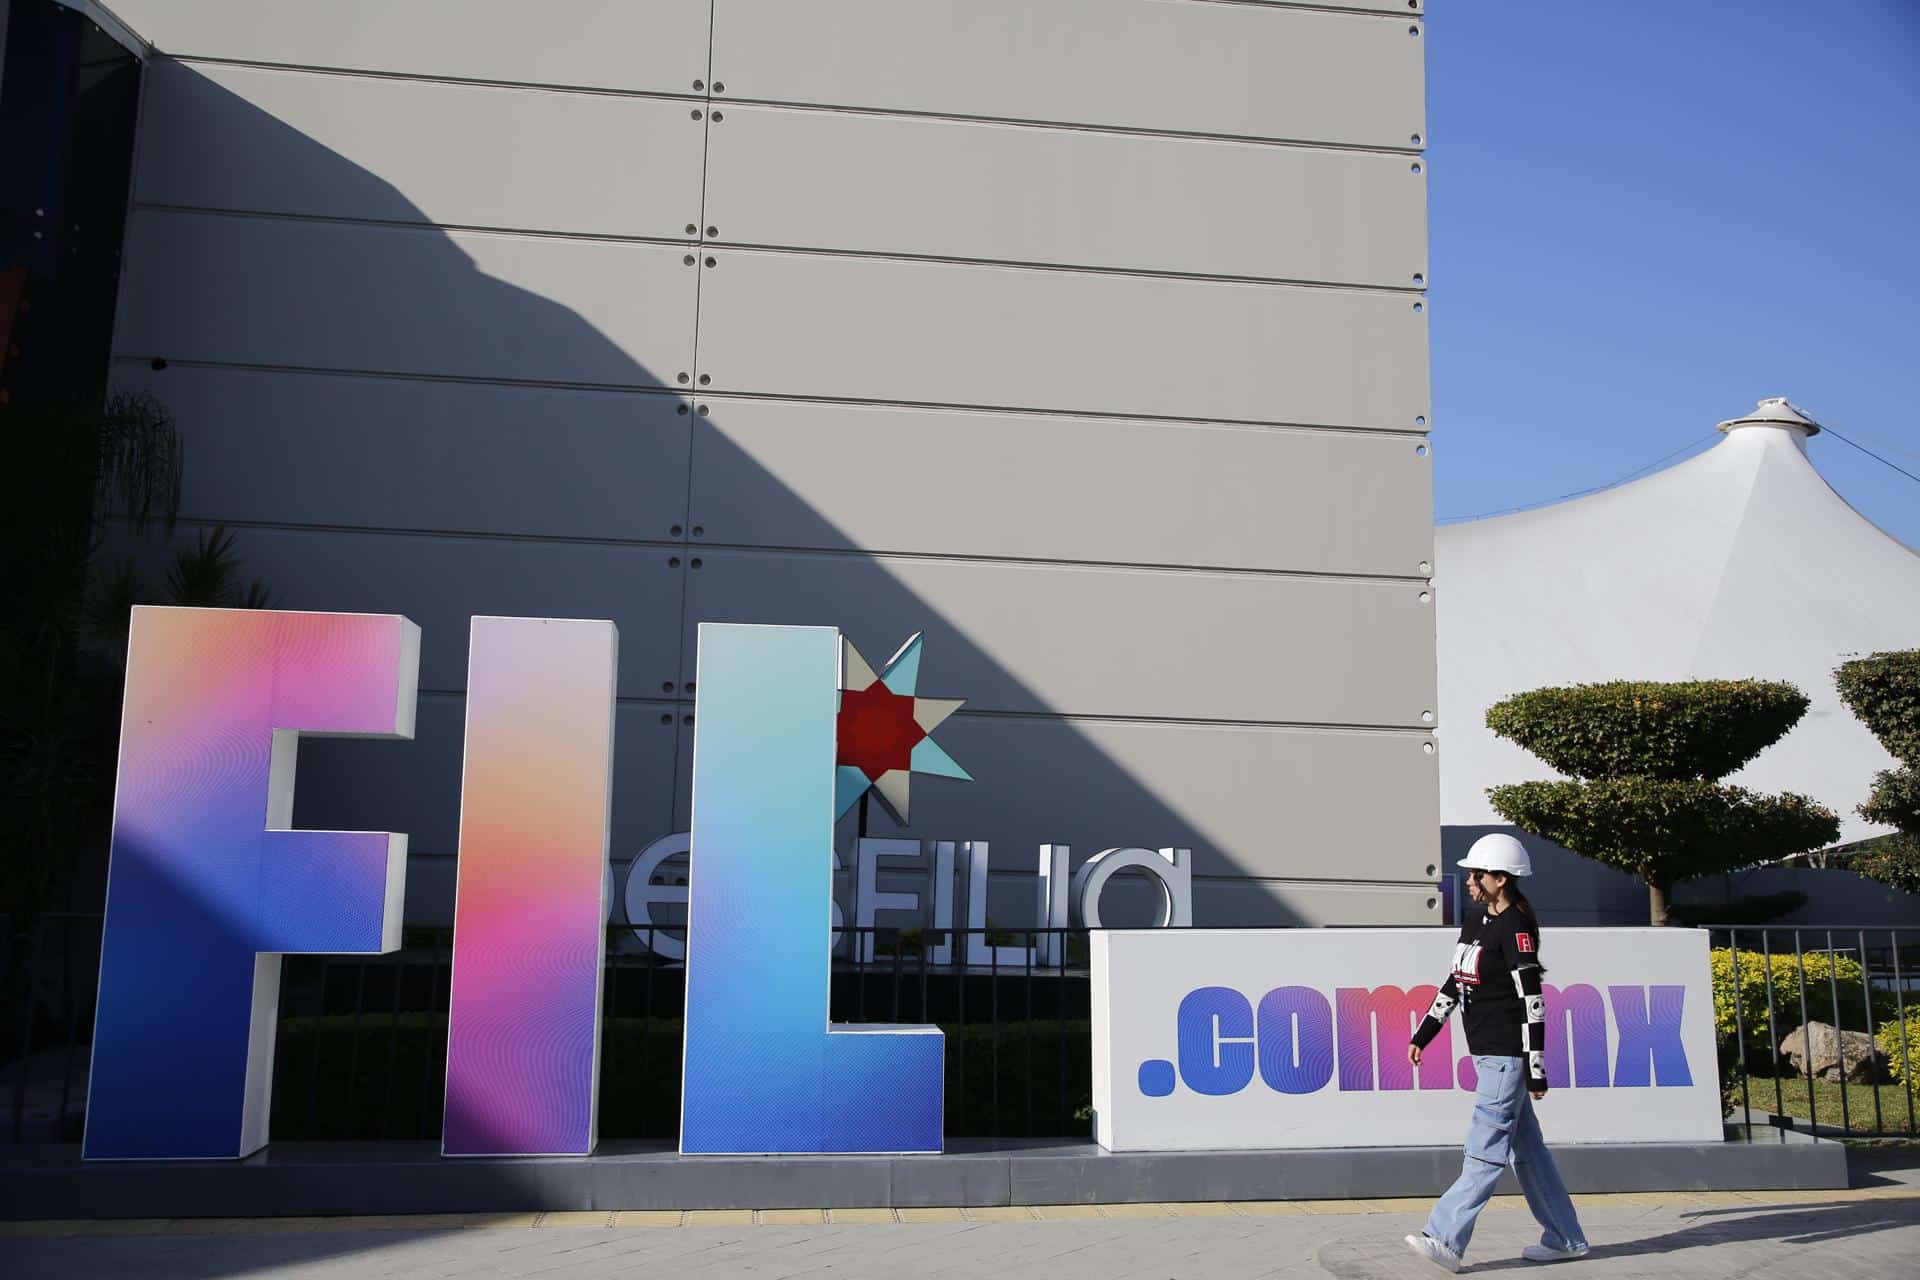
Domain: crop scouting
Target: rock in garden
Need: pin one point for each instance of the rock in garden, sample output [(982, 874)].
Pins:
[(1817, 1050)]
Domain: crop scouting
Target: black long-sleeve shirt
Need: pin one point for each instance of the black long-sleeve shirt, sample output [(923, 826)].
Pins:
[(1496, 984)]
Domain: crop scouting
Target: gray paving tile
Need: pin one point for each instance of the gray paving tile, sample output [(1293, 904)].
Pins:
[(1864, 1234)]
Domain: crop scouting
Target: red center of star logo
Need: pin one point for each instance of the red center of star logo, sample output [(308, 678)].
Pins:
[(877, 731)]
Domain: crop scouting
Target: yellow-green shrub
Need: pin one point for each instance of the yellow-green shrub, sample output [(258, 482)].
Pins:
[(1889, 1039), (1823, 973)]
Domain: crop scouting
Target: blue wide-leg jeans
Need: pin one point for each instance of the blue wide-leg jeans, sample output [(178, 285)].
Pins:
[(1505, 1129)]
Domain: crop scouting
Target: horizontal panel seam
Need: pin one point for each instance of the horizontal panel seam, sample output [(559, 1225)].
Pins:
[(1034, 264), (1014, 875), (680, 546), (412, 224), (1199, 877), (1411, 148), (1360, 10), (1411, 433), (722, 247), (427, 77), (1374, 435), (784, 250), (1412, 733), (604, 91), (404, 375)]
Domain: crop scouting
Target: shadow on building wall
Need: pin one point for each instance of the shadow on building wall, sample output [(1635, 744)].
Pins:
[(454, 491), (338, 381)]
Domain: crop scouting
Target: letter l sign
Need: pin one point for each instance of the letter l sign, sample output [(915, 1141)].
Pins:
[(765, 1072)]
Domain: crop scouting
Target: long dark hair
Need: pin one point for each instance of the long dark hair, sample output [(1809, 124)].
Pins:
[(1517, 900)]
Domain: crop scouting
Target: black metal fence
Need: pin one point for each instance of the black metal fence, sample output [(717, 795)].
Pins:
[(360, 1051), (361, 1046), (1819, 1027)]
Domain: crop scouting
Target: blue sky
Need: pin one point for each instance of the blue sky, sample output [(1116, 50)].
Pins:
[(1646, 215)]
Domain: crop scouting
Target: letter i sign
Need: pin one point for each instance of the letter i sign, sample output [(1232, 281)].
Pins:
[(1523, 941)]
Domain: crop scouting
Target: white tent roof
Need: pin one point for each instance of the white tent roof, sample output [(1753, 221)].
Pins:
[(1738, 562)]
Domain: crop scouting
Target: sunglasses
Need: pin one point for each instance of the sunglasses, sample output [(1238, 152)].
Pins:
[(1474, 873)]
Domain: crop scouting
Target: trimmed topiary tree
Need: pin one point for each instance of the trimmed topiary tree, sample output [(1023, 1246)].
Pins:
[(1884, 692), (1646, 759)]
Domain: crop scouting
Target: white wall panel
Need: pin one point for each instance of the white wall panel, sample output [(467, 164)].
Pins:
[(442, 582), (782, 473), (1113, 642), (368, 785), (958, 189), (941, 333), (1237, 69), (398, 453), (418, 151), (401, 299), (656, 45)]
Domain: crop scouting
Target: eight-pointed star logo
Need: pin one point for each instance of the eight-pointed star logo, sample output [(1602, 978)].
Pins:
[(885, 732)]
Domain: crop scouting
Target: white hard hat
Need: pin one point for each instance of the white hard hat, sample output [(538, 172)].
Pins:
[(1499, 852)]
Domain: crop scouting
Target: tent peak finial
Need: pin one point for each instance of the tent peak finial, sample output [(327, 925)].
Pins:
[(1778, 412)]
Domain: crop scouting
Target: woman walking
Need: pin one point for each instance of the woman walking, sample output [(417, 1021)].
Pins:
[(1496, 985)]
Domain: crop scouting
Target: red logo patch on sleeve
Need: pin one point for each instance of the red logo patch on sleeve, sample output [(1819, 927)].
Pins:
[(1524, 941)]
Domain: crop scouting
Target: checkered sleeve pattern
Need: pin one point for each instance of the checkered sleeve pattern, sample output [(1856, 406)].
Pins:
[(1533, 1042), (1444, 1003)]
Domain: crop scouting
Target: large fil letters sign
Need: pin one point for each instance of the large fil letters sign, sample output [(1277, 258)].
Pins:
[(523, 1029), (764, 1070), (207, 886), (1298, 1038)]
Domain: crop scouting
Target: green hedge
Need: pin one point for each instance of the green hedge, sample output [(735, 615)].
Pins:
[(1666, 831), (1884, 692), (1698, 729), (1895, 800), (1892, 860), (369, 1075)]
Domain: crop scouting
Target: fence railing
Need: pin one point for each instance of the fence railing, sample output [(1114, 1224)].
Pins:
[(1819, 1027), (361, 1044), (360, 1051)]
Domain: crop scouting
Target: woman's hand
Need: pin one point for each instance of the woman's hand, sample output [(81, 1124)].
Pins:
[(1413, 1054)]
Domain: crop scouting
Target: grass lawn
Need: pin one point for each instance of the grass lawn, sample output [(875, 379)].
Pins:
[(1826, 1101)]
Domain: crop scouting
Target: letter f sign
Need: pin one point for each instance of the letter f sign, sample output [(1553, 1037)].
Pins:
[(207, 886)]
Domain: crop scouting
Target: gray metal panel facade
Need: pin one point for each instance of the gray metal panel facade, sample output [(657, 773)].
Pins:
[(940, 188), (657, 46), (306, 294), (442, 580), (1178, 66), (1039, 638), (995, 336), (1099, 490), (1079, 334), (457, 155), (278, 447)]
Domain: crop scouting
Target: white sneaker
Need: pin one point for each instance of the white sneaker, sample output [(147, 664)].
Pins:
[(1435, 1252), (1547, 1253)]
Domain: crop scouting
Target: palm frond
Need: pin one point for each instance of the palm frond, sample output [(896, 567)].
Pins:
[(204, 574), (138, 476)]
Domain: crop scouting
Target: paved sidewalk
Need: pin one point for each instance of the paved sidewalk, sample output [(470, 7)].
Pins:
[(1864, 1233)]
